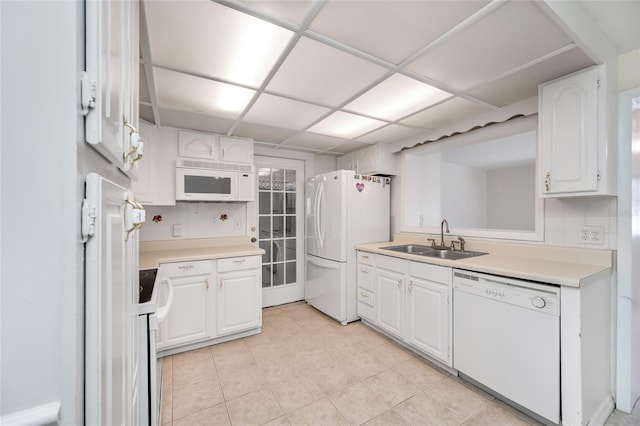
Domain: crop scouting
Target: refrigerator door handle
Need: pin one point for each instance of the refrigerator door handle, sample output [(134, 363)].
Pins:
[(326, 265), (320, 210)]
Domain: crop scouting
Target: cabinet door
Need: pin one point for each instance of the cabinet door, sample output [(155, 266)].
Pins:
[(569, 134), (390, 297), (198, 145), (366, 159), (109, 89), (428, 317), (191, 318), (366, 296), (345, 162), (239, 301), (236, 150), (143, 186)]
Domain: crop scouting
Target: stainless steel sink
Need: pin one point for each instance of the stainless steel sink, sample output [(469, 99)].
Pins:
[(408, 248), (438, 252)]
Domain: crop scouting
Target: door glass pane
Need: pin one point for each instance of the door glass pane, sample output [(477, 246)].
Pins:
[(291, 227), (266, 246), (278, 203), (278, 250), (290, 206), (264, 227), (278, 274), (264, 203), (290, 180), (290, 249), (290, 273), (264, 179), (278, 226), (277, 179)]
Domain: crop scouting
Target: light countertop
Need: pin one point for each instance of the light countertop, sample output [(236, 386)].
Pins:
[(548, 264), (153, 253)]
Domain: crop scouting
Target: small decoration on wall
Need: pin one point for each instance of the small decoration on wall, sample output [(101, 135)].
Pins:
[(359, 186), (224, 217), (157, 218)]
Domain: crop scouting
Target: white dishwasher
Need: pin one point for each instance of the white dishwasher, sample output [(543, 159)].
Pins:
[(507, 337)]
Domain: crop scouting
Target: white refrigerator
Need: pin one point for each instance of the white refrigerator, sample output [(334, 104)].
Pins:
[(343, 209)]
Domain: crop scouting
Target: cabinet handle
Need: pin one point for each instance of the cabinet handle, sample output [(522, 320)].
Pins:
[(399, 283), (364, 256), (220, 283), (185, 266), (206, 282), (410, 286), (239, 261), (547, 180), (364, 271), (363, 294)]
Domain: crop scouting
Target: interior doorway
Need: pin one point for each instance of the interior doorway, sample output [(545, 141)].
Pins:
[(278, 225)]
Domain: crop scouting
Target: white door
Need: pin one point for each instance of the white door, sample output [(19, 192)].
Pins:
[(428, 317), (238, 301), (110, 310), (277, 223), (390, 293)]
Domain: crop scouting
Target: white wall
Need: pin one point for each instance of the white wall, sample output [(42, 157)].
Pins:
[(464, 195), (508, 206)]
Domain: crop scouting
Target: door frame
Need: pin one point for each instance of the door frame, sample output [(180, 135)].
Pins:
[(284, 294)]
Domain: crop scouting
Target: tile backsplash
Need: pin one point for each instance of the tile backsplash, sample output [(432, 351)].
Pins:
[(198, 220), (564, 219)]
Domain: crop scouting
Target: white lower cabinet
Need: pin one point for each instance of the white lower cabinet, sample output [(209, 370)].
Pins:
[(429, 309), (239, 294), (191, 318), (210, 299), (410, 301)]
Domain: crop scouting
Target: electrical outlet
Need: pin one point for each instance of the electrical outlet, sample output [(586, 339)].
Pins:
[(591, 235), (177, 230)]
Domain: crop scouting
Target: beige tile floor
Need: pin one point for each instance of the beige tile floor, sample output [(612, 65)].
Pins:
[(306, 369)]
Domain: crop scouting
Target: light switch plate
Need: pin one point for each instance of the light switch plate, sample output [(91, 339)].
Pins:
[(177, 231)]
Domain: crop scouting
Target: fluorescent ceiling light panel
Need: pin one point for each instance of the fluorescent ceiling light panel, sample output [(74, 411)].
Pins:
[(397, 97), (344, 125), (183, 91), (208, 38)]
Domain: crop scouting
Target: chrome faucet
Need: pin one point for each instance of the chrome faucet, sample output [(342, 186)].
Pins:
[(442, 225)]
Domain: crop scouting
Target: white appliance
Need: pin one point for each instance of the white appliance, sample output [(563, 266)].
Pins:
[(507, 337), (150, 366), (343, 209), (198, 180)]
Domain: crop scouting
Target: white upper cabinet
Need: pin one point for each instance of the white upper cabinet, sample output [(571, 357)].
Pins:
[(372, 160), (110, 83), (346, 162), (198, 145), (575, 157), (236, 150)]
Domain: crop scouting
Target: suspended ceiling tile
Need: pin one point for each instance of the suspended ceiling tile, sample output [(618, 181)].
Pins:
[(349, 146), (390, 133), (193, 121), (391, 30), (396, 97), (281, 112), (318, 73), (182, 91), (524, 84), (345, 125), (259, 132), (143, 88), (290, 11), (210, 39), (312, 141), (512, 35), (448, 112), (146, 113)]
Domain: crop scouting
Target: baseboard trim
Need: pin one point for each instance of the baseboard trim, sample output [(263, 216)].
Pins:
[(37, 416)]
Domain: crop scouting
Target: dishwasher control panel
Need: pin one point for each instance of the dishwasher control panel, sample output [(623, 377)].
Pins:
[(535, 296)]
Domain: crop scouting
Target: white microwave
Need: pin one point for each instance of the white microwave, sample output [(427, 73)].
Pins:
[(207, 181)]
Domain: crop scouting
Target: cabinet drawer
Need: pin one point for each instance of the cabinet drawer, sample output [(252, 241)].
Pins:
[(365, 296), (365, 258), (390, 263), (179, 269), (436, 273), (366, 311), (365, 277), (238, 263)]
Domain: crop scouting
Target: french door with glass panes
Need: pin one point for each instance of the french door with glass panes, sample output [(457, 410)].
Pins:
[(279, 228)]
